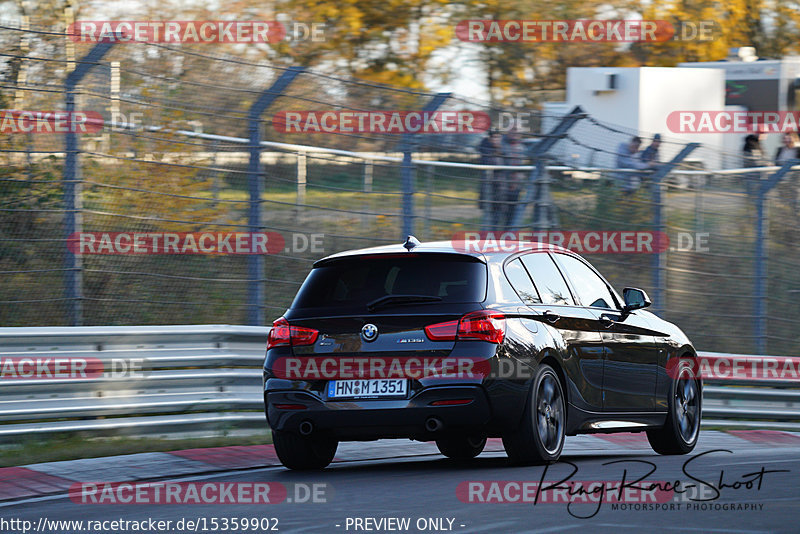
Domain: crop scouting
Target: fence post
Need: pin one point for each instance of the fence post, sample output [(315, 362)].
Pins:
[(660, 259), (73, 274), (536, 190), (407, 168), (114, 99), (760, 308), (484, 187), (367, 188), (426, 234), (544, 212), (302, 172), (25, 50), (255, 264)]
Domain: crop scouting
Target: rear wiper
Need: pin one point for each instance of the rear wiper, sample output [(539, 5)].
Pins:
[(400, 299)]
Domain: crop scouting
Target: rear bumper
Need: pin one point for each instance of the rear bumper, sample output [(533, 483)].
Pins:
[(375, 419)]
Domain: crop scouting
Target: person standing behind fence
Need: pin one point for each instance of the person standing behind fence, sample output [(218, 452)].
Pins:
[(515, 154), (752, 156), (490, 197), (650, 154), (752, 153), (627, 158), (788, 151)]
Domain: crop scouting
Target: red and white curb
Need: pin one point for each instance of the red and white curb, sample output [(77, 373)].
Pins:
[(56, 477)]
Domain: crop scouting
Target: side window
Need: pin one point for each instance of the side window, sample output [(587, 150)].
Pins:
[(591, 289), (521, 282), (552, 287)]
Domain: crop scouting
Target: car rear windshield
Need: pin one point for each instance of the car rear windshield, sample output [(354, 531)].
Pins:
[(359, 280)]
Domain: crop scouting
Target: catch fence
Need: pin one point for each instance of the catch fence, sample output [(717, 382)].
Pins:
[(195, 142)]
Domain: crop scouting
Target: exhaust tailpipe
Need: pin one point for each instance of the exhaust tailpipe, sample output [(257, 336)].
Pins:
[(433, 424), (306, 428)]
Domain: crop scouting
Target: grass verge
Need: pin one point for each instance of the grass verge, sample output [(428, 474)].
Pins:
[(75, 447)]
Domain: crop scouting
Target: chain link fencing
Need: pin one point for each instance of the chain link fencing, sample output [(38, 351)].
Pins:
[(181, 150)]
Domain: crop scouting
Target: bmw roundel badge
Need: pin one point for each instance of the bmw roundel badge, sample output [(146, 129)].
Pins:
[(369, 332)]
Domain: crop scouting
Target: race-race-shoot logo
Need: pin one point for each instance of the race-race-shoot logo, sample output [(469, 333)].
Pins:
[(636, 487)]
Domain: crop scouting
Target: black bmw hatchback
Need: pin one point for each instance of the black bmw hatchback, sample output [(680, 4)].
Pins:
[(437, 343)]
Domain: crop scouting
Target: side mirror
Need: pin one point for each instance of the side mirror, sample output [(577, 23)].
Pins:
[(635, 299)]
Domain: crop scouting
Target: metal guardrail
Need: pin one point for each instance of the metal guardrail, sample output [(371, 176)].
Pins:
[(207, 378), (186, 379)]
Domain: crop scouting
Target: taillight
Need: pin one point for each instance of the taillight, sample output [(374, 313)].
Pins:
[(303, 336), (484, 325), (442, 331), (282, 333)]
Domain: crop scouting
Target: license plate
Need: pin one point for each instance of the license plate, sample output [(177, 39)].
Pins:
[(375, 388)]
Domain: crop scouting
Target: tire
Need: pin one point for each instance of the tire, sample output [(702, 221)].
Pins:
[(540, 436), (461, 447), (303, 453), (682, 427)]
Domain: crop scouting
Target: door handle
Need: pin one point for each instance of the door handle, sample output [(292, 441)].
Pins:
[(607, 321), (551, 317)]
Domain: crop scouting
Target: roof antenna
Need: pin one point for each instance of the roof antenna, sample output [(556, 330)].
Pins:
[(411, 242)]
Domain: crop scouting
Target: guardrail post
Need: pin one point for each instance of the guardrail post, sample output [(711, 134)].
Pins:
[(73, 274), (659, 265), (538, 184), (407, 169), (255, 265), (760, 290)]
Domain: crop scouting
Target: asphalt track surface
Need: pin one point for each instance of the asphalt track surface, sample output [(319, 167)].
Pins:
[(425, 487)]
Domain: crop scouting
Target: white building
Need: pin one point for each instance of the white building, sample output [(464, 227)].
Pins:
[(637, 101), (754, 84)]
